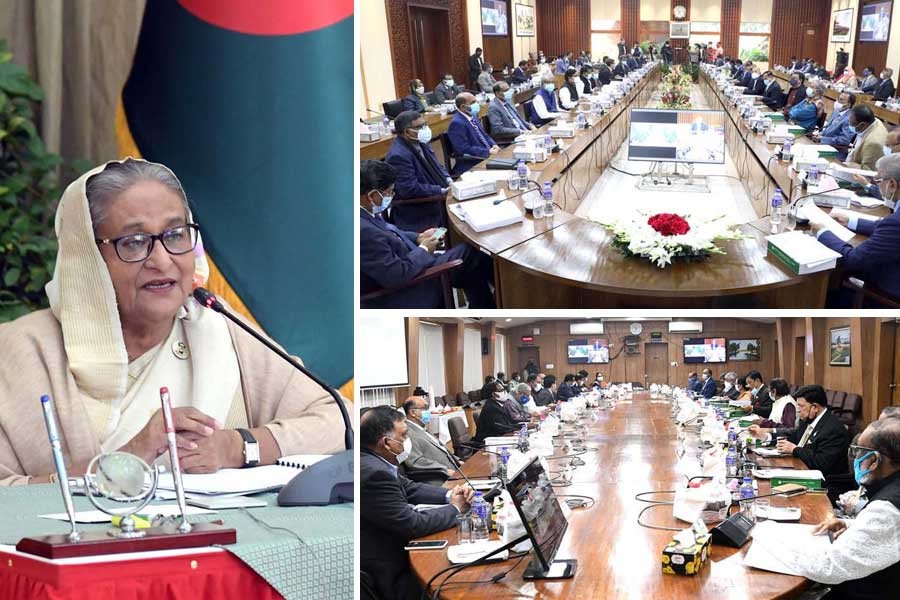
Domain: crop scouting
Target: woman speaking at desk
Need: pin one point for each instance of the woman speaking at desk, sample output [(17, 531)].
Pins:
[(121, 324)]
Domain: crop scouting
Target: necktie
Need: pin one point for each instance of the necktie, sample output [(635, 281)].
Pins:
[(515, 116), (480, 135), (806, 434), (433, 172)]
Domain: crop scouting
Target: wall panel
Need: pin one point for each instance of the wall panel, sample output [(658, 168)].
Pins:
[(563, 26)]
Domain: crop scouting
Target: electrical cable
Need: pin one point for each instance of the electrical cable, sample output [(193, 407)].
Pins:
[(578, 496), (493, 579), (640, 496), (659, 527), (473, 563)]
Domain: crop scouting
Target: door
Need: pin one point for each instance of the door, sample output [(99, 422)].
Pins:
[(526, 353), (429, 45), (656, 363), (809, 45), (798, 372)]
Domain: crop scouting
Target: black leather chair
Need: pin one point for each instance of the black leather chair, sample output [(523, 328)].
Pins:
[(392, 108), (441, 271), (459, 436)]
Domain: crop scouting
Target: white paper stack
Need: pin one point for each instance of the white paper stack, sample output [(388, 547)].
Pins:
[(485, 214), (802, 253), (853, 213)]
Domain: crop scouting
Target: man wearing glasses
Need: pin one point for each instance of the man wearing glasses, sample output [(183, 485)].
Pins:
[(863, 559)]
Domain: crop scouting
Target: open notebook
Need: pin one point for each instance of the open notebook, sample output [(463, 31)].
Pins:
[(243, 481)]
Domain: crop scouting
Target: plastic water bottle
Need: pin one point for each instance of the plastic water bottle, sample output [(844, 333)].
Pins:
[(559, 410), (777, 203), (812, 176), (386, 125), (731, 462), (548, 199), (580, 121), (480, 516), (548, 142), (522, 172), (746, 496), (504, 463), (786, 152), (523, 438)]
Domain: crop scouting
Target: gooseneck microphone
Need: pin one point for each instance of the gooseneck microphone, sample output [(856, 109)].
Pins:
[(208, 300)]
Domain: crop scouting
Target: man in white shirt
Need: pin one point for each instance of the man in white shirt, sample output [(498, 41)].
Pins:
[(544, 103), (863, 560)]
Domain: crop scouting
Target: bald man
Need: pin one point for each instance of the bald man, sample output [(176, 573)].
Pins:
[(427, 457)]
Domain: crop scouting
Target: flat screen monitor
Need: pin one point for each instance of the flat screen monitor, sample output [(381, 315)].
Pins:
[(688, 136), (541, 515), (875, 22), (494, 17), (593, 351), (704, 350)]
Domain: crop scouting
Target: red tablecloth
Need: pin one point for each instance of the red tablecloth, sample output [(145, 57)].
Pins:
[(193, 576)]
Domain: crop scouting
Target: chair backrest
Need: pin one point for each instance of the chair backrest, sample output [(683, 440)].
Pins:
[(459, 435), (829, 396), (528, 108), (462, 399), (853, 404), (839, 398), (392, 108), (431, 98), (476, 414), (447, 151), (474, 396)]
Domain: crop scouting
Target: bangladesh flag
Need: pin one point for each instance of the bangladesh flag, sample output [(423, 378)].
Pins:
[(251, 104)]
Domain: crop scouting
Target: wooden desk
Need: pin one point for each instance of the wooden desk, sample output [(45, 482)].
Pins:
[(617, 558)]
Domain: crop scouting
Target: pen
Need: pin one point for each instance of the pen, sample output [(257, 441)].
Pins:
[(55, 446), (173, 457)]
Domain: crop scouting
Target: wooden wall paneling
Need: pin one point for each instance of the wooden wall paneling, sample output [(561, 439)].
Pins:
[(790, 21), (563, 26), (730, 27), (895, 369), (412, 360), (680, 46), (783, 340), (489, 331), (631, 21), (401, 43), (816, 350), (881, 369), (454, 336), (848, 379), (866, 54)]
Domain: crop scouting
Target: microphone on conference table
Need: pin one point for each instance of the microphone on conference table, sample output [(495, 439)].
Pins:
[(329, 481), (376, 112)]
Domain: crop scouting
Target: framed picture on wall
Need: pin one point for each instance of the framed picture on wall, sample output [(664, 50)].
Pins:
[(679, 29), (525, 21), (744, 349), (839, 339), (841, 27)]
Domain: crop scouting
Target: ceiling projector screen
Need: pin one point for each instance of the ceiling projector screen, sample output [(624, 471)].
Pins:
[(381, 346)]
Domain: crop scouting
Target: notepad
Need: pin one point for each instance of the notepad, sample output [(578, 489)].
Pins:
[(769, 534), (233, 481), (485, 214), (300, 461), (811, 210), (801, 253), (866, 202), (853, 213)]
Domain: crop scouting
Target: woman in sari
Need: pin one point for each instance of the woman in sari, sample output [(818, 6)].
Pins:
[(122, 324)]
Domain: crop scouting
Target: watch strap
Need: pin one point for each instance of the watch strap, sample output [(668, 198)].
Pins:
[(248, 439)]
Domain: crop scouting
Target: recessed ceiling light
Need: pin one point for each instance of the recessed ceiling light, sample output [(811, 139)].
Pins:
[(508, 320)]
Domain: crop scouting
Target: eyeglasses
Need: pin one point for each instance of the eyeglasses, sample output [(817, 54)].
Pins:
[(856, 451), (137, 247)]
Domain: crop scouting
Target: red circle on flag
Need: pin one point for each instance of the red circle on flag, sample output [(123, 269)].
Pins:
[(272, 17)]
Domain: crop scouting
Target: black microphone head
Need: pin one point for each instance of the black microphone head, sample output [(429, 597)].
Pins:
[(207, 299)]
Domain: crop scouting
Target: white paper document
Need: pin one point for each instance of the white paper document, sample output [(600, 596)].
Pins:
[(488, 213), (769, 534), (234, 481), (853, 213), (866, 201), (768, 452), (486, 175), (789, 474), (813, 212), (96, 516)]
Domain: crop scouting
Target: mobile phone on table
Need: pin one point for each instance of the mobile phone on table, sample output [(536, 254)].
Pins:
[(426, 545)]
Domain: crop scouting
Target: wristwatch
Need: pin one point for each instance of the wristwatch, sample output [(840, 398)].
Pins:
[(251, 448)]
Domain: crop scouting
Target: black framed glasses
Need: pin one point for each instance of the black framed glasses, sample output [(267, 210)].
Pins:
[(855, 451), (137, 247)]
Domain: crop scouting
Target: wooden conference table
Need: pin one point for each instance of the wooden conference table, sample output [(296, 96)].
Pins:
[(617, 558), (569, 261)]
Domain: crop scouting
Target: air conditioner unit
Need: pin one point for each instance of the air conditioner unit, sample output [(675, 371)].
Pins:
[(594, 328), (685, 326)]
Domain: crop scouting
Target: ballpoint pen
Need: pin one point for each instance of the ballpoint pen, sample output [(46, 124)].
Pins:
[(184, 527), (55, 446)]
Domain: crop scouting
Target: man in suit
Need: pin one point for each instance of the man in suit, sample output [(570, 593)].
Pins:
[(446, 89), (486, 79), (390, 256), (836, 131), (631, 62), (419, 174), (739, 74), (795, 94), (667, 54), (773, 95), (566, 389), (746, 79), (561, 64), (542, 396), (476, 62), (760, 402), (387, 520), (693, 384), (519, 75), (885, 87), (467, 136), (868, 145), (730, 390), (427, 456), (757, 85), (623, 48), (821, 440), (795, 64), (505, 122), (708, 384), (874, 260), (621, 69), (496, 419), (604, 72), (869, 82)]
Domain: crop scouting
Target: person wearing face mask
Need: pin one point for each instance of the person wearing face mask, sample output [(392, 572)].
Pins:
[(796, 93), (568, 93), (419, 174), (588, 80), (390, 257), (476, 62), (746, 78), (667, 54), (707, 384), (387, 519), (427, 461), (566, 389), (760, 403), (467, 136), (773, 95), (868, 145), (416, 99), (891, 145), (546, 395), (519, 75), (446, 89), (757, 86), (806, 113), (848, 78), (621, 69), (820, 440), (874, 260), (525, 400), (499, 415), (604, 71), (869, 80), (784, 409), (885, 87), (836, 131), (599, 383), (863, 560), (730, 390), (503, 118), (544, 107), (486, 79)]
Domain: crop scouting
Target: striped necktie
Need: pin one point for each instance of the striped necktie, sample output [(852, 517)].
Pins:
[(477, 129)]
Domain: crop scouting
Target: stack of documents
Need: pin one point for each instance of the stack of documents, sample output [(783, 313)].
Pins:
[(232, 481), (802, 253), (488, 213), (769, 534)]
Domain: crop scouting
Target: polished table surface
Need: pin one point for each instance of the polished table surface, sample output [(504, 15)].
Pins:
[(635, 452)]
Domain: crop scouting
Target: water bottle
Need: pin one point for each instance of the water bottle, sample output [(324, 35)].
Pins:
[(386, 125), (746, 496), (580, 121), (523, 438), (480, 516), (786, 152), (559, 410), (777, 203), (504, 463), (732, 437), (522, 172), (812, 176), (548, 142), (548, 199), (731, 462)]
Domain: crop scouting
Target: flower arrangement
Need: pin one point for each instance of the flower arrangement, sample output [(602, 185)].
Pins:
[(663, 238), (675, 89)]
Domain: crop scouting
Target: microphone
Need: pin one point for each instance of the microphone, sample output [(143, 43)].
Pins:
[(328, 480), (508, 427), (376, 112)]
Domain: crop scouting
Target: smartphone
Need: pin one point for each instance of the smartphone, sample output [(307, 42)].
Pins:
[(439, 233), (430, 545)]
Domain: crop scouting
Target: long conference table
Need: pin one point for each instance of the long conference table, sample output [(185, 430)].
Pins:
[(569, 261), (617, 558)]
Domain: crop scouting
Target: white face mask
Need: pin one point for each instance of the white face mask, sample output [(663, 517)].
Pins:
[(838, 106), (538, 387), (407, 449), (420, 90), (728, 386), (448, 83)]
